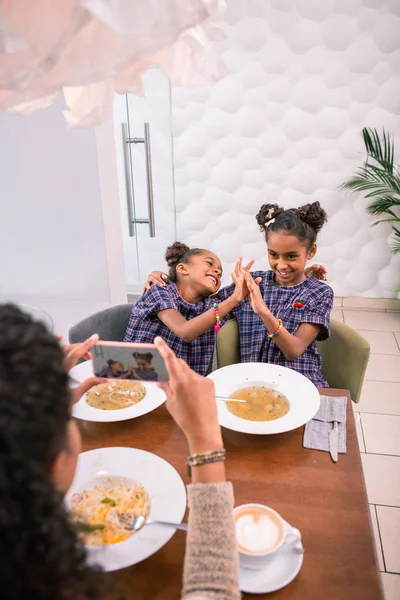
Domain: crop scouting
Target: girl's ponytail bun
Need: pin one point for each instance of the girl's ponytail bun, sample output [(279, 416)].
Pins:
[(313, 215), (175, 253)]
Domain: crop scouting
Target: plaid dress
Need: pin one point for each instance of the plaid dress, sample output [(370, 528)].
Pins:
[(255, 346), (144, 325)]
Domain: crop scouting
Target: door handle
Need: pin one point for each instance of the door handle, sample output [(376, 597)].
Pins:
[(149, 180)]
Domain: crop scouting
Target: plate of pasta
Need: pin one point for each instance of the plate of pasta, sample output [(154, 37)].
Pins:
[(113, 485), (116, 399)]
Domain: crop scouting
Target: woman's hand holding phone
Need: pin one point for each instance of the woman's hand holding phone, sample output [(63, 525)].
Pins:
[(191, 403), (73, 353)]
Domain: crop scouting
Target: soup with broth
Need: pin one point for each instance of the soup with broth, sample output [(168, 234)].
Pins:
[(262, 404)]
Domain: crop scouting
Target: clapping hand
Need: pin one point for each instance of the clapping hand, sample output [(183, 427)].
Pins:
[(241, 290), (254, 294)]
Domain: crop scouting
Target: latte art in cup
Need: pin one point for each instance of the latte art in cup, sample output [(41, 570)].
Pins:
[(261, 532), (257, 530)]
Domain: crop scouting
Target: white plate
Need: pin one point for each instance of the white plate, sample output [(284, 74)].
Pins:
[(167, 494), (303, 396), (82, 410), (38, 314), (279, 571)]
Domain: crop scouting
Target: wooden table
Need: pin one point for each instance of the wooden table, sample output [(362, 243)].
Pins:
[(326, 501)]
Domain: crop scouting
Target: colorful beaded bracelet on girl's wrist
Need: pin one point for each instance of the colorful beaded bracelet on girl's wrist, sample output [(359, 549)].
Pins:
[(272, 335), (217, 325)]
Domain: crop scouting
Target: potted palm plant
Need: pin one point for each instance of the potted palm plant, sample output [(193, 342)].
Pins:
[(380, 178)]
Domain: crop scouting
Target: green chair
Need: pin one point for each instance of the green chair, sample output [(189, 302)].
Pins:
[(345, 355)]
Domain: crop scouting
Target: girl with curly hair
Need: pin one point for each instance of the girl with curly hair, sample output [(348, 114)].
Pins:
[(285, 311), (182, 312)]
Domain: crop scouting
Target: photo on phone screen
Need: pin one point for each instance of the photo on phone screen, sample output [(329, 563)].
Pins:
[(128, 361)]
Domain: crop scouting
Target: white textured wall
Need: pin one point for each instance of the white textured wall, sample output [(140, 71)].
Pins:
[(285, 126)]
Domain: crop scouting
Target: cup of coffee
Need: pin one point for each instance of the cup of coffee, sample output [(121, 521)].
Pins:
[(260, 533)]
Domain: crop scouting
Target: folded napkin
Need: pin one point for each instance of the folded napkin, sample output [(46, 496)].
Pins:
[(316, 434)]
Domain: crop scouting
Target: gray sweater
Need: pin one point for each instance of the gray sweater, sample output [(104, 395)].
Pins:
[(211, 559)]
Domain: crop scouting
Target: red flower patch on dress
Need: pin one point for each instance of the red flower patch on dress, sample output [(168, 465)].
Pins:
[(299, 303)]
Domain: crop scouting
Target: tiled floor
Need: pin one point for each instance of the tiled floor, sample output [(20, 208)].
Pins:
[(378, 426)]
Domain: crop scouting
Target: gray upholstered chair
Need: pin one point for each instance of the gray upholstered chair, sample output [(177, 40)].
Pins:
[(110, 324)]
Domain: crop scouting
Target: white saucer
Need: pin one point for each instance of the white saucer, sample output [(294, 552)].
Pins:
[(278, 572)]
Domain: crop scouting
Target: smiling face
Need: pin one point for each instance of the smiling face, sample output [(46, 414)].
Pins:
[(287, 257), (142, 364), (204, 271), (117, 367)]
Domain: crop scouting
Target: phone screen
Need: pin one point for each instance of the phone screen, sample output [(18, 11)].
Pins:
[(128, 361)]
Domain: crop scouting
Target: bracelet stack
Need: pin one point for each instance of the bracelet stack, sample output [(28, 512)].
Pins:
[(217, 326), (272, 335), (204, 458)]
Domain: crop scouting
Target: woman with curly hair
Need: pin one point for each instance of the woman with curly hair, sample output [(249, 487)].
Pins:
[(39, 446), (42, 557)]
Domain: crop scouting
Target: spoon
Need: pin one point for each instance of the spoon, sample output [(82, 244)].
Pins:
[(217, 397), (140, 521), (229, 399)]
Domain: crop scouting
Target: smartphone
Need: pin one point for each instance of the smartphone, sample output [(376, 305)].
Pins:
[(122, 360)]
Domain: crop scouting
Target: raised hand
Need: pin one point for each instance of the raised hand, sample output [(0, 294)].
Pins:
[(254, 295), (241, 290)]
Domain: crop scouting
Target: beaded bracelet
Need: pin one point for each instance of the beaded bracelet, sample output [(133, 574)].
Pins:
[(204, 458), (272, 335), (217, 326)]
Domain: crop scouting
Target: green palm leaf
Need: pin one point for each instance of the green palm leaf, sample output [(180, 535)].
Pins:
[(379, 180), (382, 152), (396, 242)]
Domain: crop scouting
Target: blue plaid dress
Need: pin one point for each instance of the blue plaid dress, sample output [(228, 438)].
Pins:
[(144, 325), (255, 346)]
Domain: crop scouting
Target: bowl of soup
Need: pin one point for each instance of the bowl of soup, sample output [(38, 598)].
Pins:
[(262, 399), (261, 403)]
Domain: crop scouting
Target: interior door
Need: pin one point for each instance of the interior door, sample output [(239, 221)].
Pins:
[(144, 148)]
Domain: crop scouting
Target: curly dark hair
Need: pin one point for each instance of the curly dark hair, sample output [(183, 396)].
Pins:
[(177, 254), (42, 556), (304, 222), (147, 356)]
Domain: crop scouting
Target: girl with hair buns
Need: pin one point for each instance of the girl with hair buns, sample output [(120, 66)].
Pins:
[(143, 371), (182, 312), (286, 310)]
